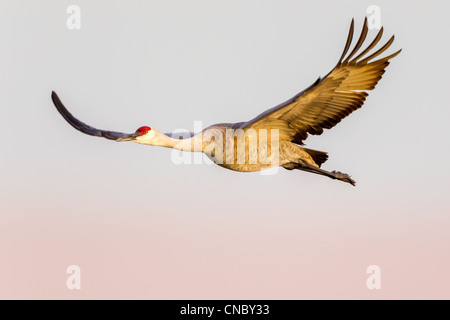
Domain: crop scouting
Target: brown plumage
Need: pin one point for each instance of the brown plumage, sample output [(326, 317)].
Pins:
[(332, 98)]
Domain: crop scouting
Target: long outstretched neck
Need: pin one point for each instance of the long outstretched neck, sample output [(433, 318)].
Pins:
[(192, 144)]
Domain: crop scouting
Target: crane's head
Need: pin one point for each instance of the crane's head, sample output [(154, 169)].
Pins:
[(142, 135)]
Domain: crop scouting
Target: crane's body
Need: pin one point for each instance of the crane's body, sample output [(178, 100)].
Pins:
[(231, 147), (275, 137)]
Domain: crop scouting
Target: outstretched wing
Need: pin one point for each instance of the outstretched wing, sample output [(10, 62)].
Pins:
[(80, 126), (327, 101), (111, 135)]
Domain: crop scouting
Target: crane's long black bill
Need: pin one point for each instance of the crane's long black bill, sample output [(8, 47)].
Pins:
[(129, 137)]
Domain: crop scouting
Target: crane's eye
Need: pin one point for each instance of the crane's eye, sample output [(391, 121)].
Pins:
[(143, 130)]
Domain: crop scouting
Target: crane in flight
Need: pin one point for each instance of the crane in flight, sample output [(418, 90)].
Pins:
[(320, 106)]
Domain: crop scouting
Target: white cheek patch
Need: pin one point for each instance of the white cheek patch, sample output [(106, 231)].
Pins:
[(141, 139), (146, 138)]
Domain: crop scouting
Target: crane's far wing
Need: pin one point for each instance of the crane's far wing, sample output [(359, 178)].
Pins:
[(180, 135), (80, 126), (330, 99)]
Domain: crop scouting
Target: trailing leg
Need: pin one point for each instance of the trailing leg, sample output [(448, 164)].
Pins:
[(330, 174)]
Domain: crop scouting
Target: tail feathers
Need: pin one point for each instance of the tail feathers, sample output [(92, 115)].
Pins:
[(319, 157)]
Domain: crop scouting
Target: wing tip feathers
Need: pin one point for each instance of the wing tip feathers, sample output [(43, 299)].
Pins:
[(368, 48)]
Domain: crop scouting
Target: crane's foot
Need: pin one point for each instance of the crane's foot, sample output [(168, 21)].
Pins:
[(337, 175), (343, 177)]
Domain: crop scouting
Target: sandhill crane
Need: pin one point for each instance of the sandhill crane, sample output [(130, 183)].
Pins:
[(320, 106)]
